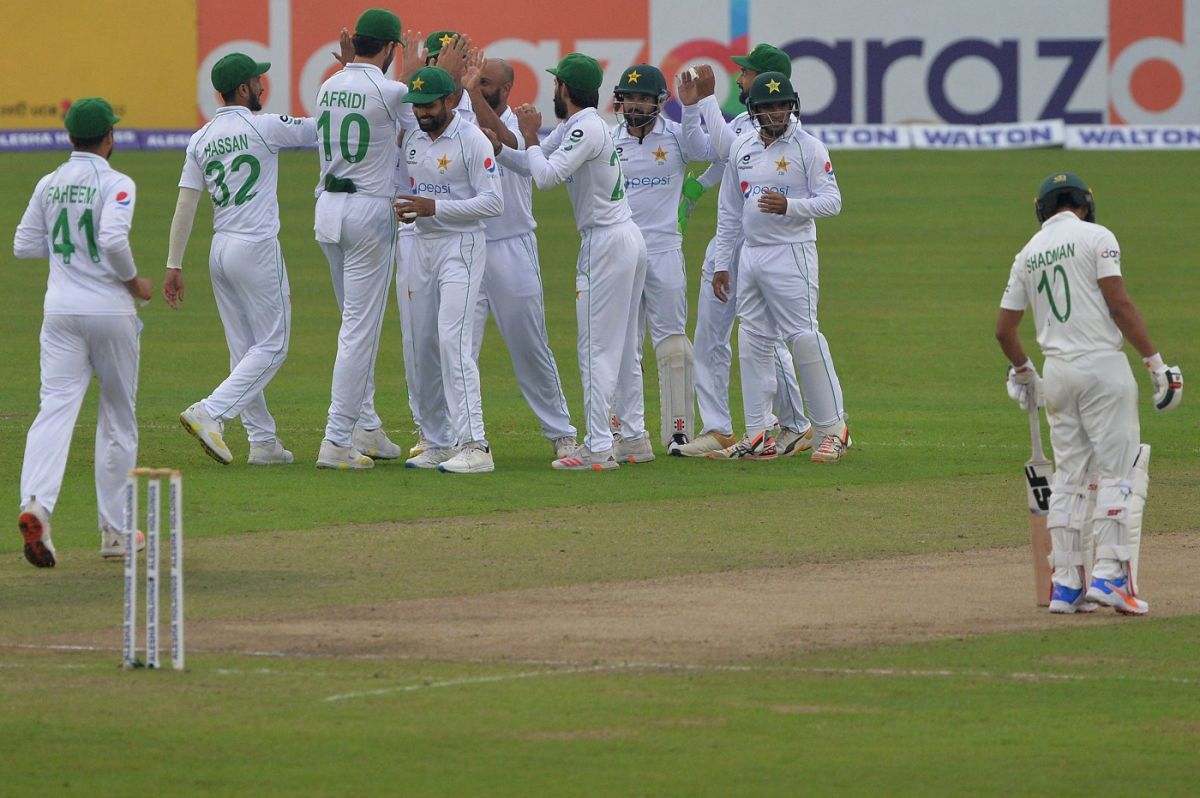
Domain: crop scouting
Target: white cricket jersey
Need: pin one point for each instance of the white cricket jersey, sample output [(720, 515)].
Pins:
[(517, 218), (720, 134), (581, 153), (235, 157), (796, 165), (654, 170), (459, 173), (78, 213), (359, 113), (1057, 273)]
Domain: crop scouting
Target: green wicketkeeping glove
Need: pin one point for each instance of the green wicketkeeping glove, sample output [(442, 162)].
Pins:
[(693, 190)]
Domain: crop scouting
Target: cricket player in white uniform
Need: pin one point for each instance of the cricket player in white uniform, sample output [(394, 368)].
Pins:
[(611, 270), (235, 158), (79, 217), (1070, 274), (359, 112), (778, 182), (454, 184), (654, 153), (716, 310), (512, 283)]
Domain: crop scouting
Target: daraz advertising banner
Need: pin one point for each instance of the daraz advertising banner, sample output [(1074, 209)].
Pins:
[(870, 73)]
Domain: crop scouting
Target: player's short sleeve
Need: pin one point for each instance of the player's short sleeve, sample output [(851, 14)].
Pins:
[(116, 217), (193, 175), (1108, 255), (288, 131), (1015, 296)]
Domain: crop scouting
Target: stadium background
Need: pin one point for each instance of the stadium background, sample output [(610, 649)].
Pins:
[(857, 61)]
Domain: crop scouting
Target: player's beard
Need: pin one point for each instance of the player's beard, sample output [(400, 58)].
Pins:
[(255, 101), (743, 96), (493, 100), (434, 122), (560, 107)]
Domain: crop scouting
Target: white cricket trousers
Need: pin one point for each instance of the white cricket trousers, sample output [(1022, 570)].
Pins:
[(250, 286), (360, 264), (405, 245), (1091, 404), (512, 293), (714, 356), (445, 279), (73, 348), (663, 307), (777, 298), (609, 278)]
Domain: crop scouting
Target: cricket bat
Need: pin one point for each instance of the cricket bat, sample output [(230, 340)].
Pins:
[(1038, 473)]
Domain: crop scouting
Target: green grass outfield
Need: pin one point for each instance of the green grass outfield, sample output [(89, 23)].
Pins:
[(911, 277)]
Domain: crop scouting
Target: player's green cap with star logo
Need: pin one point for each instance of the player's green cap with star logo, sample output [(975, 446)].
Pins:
[(771, 87), (90, 118), (579, 71), (765, 58), (235, 69), (434, 42), (642, 79), (378, 23), (429, 84)]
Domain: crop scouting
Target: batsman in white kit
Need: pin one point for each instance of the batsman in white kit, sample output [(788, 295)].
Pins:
[(359, 114), (654, 153), (716, 310), (778, 182), (79, 218), (512, 283), (1070, 275), (611, 269), (235, 158), (454, 184)]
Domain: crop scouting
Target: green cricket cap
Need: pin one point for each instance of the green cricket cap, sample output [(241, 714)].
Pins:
[(235, 69), (428, 84), (378, 23), (434, 42), (1059, 181), (642, 79), (765, 58), (579, 71), (90, 118)]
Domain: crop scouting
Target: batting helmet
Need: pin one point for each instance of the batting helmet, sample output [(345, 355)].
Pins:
[(1063, 184)]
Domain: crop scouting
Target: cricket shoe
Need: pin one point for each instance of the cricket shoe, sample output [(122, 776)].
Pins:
[(34, 523), (564, 446), (208, 430), (708, 442), (761, 447), (833, 445), (633, 451), (342, 458), (271, 453), (789, 442), (421, 445), (374, 443), (472, 458), (584, 459), (432, 457), (112, 542), (677, 442), (1069, 600), (1115, 593)]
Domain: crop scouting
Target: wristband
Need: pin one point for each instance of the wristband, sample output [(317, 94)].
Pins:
[(1154, 362)]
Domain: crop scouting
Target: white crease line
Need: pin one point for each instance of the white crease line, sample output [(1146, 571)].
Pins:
[(409, 688)]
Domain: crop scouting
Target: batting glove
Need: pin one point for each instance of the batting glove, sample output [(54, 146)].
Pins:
[(693, 190), (1024, 385), (1167, 382)]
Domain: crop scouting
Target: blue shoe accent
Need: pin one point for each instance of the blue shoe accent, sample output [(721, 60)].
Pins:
[(1065, 594), (1106, 586)]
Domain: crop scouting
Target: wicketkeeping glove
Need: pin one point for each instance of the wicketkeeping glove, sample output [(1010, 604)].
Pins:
[(693, 190), (1025, 385), (1167, 382)]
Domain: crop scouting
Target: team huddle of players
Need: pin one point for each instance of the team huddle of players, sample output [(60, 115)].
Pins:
[(442, 153)]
